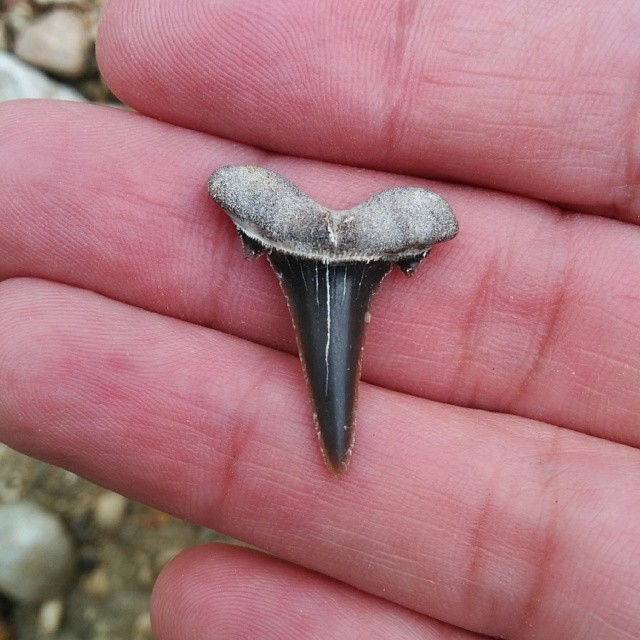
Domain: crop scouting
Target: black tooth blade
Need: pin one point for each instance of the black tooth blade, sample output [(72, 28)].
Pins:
[(328, 304)]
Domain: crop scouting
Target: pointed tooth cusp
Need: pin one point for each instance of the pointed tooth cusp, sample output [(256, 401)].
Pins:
[(329, 304)]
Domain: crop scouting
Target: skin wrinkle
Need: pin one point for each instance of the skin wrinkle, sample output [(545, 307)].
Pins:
[(243, 417), (478, 531), (539, 561), (627, 197), (399, 77), (470, 332), (541, 589), (549, 328)]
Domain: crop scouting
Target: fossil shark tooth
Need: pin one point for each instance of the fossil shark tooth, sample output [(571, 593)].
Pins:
[(330, 264)]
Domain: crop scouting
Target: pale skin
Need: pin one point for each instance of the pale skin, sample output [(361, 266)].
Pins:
[(495, 483)]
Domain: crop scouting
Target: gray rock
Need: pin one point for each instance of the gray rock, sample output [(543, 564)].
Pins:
[(81, 4), (3, 33), (37, 554), (57, 42), (19, 80)]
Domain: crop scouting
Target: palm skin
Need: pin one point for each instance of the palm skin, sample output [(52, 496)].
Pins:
[(494, 485)]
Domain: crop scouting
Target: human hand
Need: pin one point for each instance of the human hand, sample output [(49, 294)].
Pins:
[(494, 484)]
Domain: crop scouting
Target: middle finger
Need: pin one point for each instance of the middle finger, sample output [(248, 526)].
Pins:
[(525, 312)]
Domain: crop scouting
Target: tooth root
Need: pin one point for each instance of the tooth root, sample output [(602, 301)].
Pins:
[(328, 302)]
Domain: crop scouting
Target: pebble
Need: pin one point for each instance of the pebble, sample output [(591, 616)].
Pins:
[(109, 510), (3, 34), (5, 630), (37, 554), (142, 627), (166, 555), (97, 584), (67, 3), (50, 616), (18, 80), (19, 17), (56, 42), (145, 574)]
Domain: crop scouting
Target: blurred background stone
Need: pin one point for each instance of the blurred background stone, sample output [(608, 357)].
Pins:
[(109, 510), (50, 616), (3, 33), (117, 566), (37, 554), (57, 37), (56, 42), (19, 80)]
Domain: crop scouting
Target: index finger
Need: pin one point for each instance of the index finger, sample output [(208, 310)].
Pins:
[(542, 104)]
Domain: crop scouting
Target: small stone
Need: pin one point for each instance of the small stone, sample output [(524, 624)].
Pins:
[(50, 616), (109, 510), (19, 16), (81, 4), (5, 630), (166, 556), (3, 34), (142, 627), (145, 574), (56, 42), (103, 630), (97, 584), (37, 554), (19, 80)]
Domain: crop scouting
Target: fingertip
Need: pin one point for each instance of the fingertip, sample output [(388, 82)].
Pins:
[(213, 591), (223, 591)]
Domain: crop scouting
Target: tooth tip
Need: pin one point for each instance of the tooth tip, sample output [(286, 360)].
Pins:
[(338, 456), (337, 465), (338, 471)]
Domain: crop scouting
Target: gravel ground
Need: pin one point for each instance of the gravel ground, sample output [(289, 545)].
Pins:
[(47, 49), (121, 547)]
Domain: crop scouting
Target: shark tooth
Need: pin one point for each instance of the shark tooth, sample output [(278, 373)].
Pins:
[(330, 264)]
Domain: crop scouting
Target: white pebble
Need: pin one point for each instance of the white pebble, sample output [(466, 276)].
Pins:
[(50, 616), (109, 510), (19, 80), (142, 627), (37, 554), (56, 42)]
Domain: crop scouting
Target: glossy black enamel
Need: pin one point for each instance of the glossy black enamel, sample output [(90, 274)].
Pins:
[(328, 304)]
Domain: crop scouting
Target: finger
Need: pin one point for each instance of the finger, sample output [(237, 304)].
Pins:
[(476, 519), (529, 101), (229, 592), (529, 313)]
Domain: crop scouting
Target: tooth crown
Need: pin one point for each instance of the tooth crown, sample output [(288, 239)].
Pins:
[(393, 225)]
